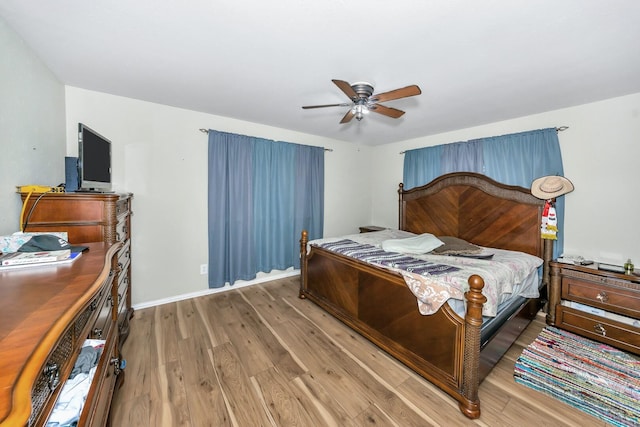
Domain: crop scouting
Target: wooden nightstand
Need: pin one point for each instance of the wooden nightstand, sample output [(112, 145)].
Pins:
[(589, 302), (370, 228)]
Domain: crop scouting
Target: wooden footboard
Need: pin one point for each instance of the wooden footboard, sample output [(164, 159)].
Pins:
[(376, 303)]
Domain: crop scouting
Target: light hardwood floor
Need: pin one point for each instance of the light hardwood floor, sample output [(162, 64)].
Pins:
[(260, 356)]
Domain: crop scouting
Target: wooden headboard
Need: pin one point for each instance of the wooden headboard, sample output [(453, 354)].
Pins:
[(477, 209)]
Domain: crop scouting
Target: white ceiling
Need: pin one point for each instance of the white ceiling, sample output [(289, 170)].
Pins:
[(261, 60)]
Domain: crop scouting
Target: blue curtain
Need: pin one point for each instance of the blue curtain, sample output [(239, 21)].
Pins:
[(261, 195), (515, 159), (462, 157), (520, 158), (421, 165)]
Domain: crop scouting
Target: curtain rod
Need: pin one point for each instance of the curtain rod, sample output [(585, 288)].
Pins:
[(558, 129), (203, 130)]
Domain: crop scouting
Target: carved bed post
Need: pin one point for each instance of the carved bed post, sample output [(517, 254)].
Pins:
[(400, 206), (303, 263), (547, 256), (554, 294), (470, 405)]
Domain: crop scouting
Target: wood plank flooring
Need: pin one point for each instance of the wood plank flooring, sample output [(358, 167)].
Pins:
[(260, 356)]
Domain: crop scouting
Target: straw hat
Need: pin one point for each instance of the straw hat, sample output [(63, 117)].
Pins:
[(549, 187)]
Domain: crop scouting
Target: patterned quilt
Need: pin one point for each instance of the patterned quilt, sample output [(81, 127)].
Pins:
[(375, 255), (436, 279)]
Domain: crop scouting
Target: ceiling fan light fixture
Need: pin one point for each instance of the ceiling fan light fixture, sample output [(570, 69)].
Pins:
[(363, 100), (360, 110)]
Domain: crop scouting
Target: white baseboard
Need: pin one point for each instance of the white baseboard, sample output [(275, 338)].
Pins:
[(238, 284)]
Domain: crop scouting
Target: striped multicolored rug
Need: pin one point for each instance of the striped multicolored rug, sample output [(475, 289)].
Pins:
[(595, 378)]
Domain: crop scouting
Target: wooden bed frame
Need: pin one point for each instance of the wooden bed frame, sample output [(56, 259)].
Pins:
[(443, 348)]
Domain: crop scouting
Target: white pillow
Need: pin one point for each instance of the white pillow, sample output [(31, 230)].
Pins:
[(413, 245)]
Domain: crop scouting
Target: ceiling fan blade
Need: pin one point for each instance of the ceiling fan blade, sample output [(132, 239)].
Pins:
[(347, 117), (387, 111), (344, 104), (346, 88), (397, 94)]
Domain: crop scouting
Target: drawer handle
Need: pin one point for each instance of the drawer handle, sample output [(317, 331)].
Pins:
[(94, 305), (602, 297), (53, 372), (118, 365), (110, 298), (118, 237), (97, 333), (600, 329)]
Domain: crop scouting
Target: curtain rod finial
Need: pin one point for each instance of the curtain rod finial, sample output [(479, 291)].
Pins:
[(203, 130)]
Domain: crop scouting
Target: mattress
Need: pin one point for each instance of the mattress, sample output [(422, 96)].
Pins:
[(508, 275)]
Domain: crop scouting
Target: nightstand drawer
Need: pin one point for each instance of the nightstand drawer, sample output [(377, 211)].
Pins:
[(606, 293), (620, 335)]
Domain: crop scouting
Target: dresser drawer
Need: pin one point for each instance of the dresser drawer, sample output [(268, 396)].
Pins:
[(124, 257), (100, 328), (89, 314), (51, 377), (123, 315), (96, 409), (58, 207), (60, 360), (124, 277), (122, 206), (620, 335), (122, 230), (604, 292), (123, 287)]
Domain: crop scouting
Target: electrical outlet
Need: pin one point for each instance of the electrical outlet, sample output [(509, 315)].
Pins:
[(204, 269)]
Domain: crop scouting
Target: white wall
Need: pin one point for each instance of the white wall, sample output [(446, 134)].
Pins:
[(160, 155), (32, 125), (601, 154)]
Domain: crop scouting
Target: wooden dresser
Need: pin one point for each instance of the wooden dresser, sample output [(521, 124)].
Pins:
[(590, 302), (90, 217), (46, 313)]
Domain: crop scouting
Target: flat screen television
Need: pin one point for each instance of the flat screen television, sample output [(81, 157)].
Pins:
[(94, 160)]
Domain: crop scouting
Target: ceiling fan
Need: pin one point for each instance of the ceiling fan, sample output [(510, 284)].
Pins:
[(364, 100)]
